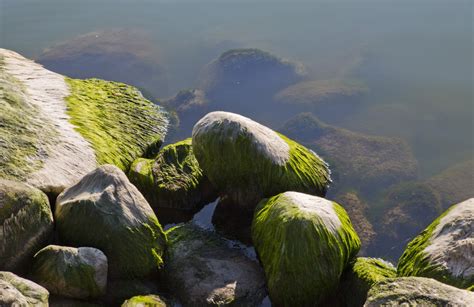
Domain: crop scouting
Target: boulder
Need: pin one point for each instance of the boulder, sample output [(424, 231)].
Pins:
[(358, 161), (104, 210), (203, 270), (119, 290), (304, 243), (361, 276), (173, 182), (144, 300), (55, 129), (248, 161), (17, 291), (416, 291), (26, 224), (71, 272), (445, 249)]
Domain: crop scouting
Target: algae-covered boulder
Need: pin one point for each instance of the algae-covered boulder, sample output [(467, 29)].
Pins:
[(249, 161), (17, 291), (416, 291), (144, 300), (361, 276), (71, 272), (304, 243), (202, 270), (26, 224), (119, 290), (444, 250), (173, 181), (55, 130), (104, 210), (358, 161)]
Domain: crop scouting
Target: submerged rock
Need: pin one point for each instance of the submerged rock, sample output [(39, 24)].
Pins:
[(202, 270), (361, 276), (358, 161), (145, 300), (104, 210), (304, 243), (17, 291), (26, 224), (57, 129), (248, 161), (444, 250), (416, 291), (173, 182), (124, 55), (71, 272)]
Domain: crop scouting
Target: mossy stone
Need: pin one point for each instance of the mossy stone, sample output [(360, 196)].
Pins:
[(104, 210), (17, 291), (26, 221), (145, 301), (304, 243)]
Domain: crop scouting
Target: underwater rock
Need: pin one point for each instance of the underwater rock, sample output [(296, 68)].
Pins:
[(304, 243), (17, 291), (416, 291), (358, 161), (173, 182), (71, 272), (248, 161), (104, 210), (202, 270), (445, 249), (26, 224), (58, 129)]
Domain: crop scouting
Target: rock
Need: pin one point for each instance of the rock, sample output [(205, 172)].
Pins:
[(144, 300), (202, 270), (304, 243), (26, 224), (248, 161), (124, 55), (454, 184), (405, 210), (173, 182), (245, 72), (357, 210), (119, 290), (71, 272), (445, 249), (17, 291), (58, 129), (358, 161), (361, 276), (104, 210), (416, 291)]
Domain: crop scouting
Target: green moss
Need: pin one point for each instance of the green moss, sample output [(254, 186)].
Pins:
[(141, 175), (24, 136), (116, 119), (145, 300), (415, 262), (303, 260)]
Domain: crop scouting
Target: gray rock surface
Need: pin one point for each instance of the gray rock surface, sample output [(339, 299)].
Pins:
[(17, 291)]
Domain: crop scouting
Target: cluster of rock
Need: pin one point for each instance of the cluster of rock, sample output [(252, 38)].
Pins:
[(109, 248)]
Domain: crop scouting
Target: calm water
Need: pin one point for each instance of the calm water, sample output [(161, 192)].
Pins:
[(416, 56)]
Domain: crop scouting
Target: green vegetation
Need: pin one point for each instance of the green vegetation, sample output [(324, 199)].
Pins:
[(302, 254), (24, 137), (116, 119)]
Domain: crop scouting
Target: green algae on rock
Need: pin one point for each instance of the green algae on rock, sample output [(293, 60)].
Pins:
[(71, 272), (17, 291), (443, 250), (145, 300), (26, 224), (249, 161), (361, 276), (416, 291), (203, 270), (173, 180), (116, 119), (304, 243), (104, 210)]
